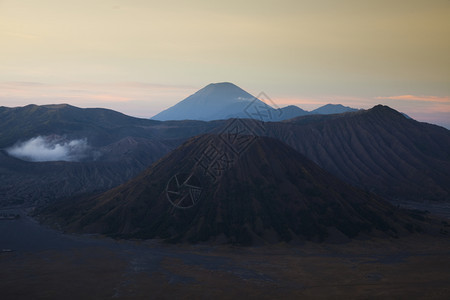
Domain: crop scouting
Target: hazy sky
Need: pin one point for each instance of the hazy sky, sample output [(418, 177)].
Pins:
[(141, 56)]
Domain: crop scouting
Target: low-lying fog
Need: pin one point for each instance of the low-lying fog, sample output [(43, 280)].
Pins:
[(51, 148)]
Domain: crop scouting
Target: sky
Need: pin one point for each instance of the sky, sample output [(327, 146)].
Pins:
[(142, 56)]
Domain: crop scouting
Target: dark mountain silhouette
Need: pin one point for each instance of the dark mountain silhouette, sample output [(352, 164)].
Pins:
[(377, 149), (39, 183), (120, 147), (100, 126), (268, 193), (329, 109), (97, 124), (292, 111)]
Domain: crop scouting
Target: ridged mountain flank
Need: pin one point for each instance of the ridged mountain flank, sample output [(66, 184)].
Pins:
[(232, 189), (379, 150)]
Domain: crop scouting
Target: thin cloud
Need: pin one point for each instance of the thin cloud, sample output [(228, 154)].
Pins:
[(417, 98), (20, 84), (22, 35), (50, 148)]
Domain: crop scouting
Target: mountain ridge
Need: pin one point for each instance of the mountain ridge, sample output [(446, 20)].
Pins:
[(224, 100), (377, 149), (329, 109), (271, 193)]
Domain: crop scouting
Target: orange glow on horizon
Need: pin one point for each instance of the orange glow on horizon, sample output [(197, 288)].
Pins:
[(417, 98)]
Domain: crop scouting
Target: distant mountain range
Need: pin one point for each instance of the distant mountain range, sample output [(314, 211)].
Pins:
[(38, 183), (267, 194), (378, 150), (220, 101), (332, 109), (119, 148)]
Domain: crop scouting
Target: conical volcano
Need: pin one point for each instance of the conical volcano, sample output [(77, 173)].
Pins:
[(232, 189), (213, 102), (224, 100)]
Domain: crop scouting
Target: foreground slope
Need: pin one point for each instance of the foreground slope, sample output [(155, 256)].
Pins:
[(268, 193)]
